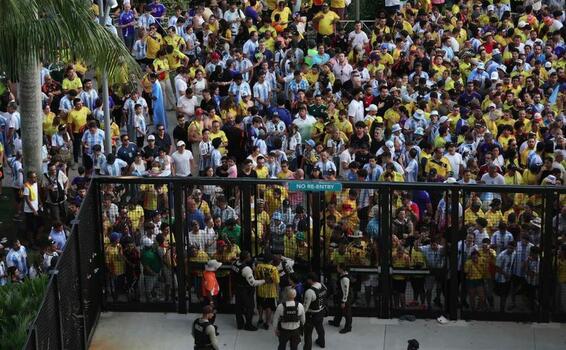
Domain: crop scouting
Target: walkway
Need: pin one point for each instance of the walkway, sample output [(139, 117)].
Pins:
[(172, 331)]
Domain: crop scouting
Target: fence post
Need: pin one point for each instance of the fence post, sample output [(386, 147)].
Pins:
[(55, 282), (180, 247), (77, 253), (546, 293), (100, 268), (454, 233), (315, 212), (385, 251), (246, 219)]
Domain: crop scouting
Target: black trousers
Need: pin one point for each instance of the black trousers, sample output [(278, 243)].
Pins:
[(77, 139), (314, 321), (346, 312), (293, 337), (244, 306)]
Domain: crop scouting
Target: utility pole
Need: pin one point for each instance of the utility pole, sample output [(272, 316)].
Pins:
[(105, 97)]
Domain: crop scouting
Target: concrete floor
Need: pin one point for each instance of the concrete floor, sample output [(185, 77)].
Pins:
[(172, 331)]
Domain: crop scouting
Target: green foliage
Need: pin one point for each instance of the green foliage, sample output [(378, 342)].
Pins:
[(171, 4), (49, 30), (19, 304)]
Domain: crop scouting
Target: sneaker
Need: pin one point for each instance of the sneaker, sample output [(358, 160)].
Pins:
[(345, 330)]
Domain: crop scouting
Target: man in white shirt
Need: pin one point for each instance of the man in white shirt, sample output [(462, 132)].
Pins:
[(455, 160), (187, 104), (304, 122), (358, 37), (346, 157), (356, 107), (181, 82), (182, 161)]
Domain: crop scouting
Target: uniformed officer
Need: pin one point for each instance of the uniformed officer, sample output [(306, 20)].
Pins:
[(204, 332), (288, 320), (315, 306), (245, 288), (344, 296)]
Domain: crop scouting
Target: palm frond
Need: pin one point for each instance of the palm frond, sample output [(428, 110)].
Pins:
[(46, 28)]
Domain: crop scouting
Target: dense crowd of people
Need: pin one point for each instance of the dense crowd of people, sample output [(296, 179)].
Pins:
[(431, 91)]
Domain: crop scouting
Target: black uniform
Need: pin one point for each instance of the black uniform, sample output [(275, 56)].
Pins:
[(244, 296), (346, 312), (293, 336), (315, 317), (202, 340)]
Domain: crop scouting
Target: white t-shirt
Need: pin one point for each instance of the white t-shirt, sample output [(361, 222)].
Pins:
[(180, 86), (345, 157), (187, 105), (182, 162), (455, 161), (356, 111), (34, 202), (305, 126), (360, 38)]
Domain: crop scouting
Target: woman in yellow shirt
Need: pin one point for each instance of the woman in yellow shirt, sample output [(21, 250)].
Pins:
[(48, 117)]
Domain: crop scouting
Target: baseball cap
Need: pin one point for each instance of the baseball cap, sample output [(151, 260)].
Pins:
[(180, 143), (151, 137), (372, 108), (494, 76)]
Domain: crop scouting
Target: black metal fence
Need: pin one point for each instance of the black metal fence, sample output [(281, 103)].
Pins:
[(405, 246), (72, 304), (139, 244)]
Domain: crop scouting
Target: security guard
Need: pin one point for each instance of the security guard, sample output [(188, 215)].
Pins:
[(288, 320), (204, 332), (315, 306), (344, 298), (245, 288)]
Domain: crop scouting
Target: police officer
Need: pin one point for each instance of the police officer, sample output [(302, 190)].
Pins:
[(344, 298), (204, 331), (245, 288), (315, 306), (288, 320)]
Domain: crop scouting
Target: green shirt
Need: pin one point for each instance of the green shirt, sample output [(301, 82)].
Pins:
[(150, 259), (233, 234), (318, 111)]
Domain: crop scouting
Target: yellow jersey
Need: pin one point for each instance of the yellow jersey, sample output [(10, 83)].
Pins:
[(77, 118)]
